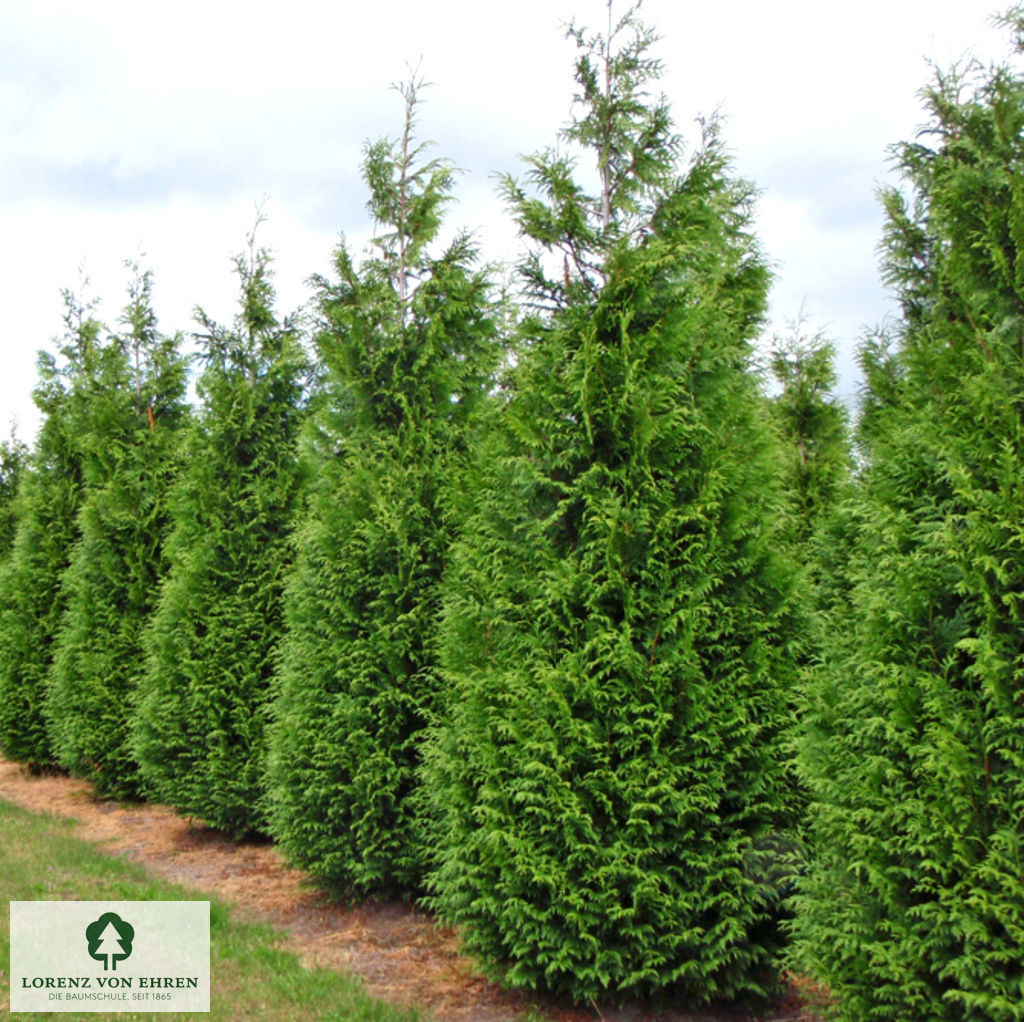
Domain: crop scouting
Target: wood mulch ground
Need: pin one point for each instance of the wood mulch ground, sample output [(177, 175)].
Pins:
[(402, 954)]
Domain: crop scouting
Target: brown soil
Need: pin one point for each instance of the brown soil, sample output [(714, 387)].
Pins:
[(402, 954)]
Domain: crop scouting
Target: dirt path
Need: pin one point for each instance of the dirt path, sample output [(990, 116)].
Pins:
[(403, 956)]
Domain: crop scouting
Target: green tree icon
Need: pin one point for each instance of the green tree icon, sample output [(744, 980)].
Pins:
[(110, 939)]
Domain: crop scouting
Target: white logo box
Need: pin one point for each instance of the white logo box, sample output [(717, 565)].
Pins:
[(110, 956)]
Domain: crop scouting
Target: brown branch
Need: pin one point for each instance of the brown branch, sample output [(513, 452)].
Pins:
[(654, 647)]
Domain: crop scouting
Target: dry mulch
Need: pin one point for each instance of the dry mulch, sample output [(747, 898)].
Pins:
[(402, 954)]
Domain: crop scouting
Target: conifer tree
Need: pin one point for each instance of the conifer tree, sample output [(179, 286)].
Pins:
[(813, 425), (610, 770), (130, 456), (49, 495), (913, 908), (406, 343), (816, 470), (199, 729)]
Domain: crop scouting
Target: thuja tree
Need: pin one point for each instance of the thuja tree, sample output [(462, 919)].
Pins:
[(609, 774), (813, 424), (199, 729), (816, 472), (130, 455), (913, 908), (406, 343), (49, 496)]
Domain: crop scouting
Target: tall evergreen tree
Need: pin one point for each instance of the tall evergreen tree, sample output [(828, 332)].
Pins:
[(199, 729), (406, 342), (817, 473), (813, 425), (609, 774), (130, 457), (914, 905), (49, 495)]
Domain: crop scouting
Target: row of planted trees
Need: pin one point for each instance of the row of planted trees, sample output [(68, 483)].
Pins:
[(538, 609)]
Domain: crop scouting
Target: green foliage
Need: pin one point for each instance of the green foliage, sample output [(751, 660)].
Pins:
[(913, 908), (635, 150), (406, 343), (49, 495), (608, 780), (813, 426), (13, 461), (816, 473), (199, 730), (130, 454)]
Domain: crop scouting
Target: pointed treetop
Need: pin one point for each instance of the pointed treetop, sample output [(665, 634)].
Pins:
[(626, 132), (139, 318), (81, 327), (255, 271), (257, 337), (406, 195), (630, 135)]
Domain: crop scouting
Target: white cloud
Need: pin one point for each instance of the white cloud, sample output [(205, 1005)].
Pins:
[(124, 125)]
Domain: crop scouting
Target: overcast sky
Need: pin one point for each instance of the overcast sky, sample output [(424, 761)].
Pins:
[(130, 128)]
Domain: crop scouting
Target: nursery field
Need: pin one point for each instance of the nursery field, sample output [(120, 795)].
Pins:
[(552, 646)]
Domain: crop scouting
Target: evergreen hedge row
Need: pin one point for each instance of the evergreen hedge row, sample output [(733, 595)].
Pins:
[(538, 645)]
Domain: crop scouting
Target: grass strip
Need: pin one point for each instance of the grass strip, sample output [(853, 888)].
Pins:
[(252, 976)]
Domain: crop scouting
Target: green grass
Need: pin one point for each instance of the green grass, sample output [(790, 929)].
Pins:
[(252, 977)]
